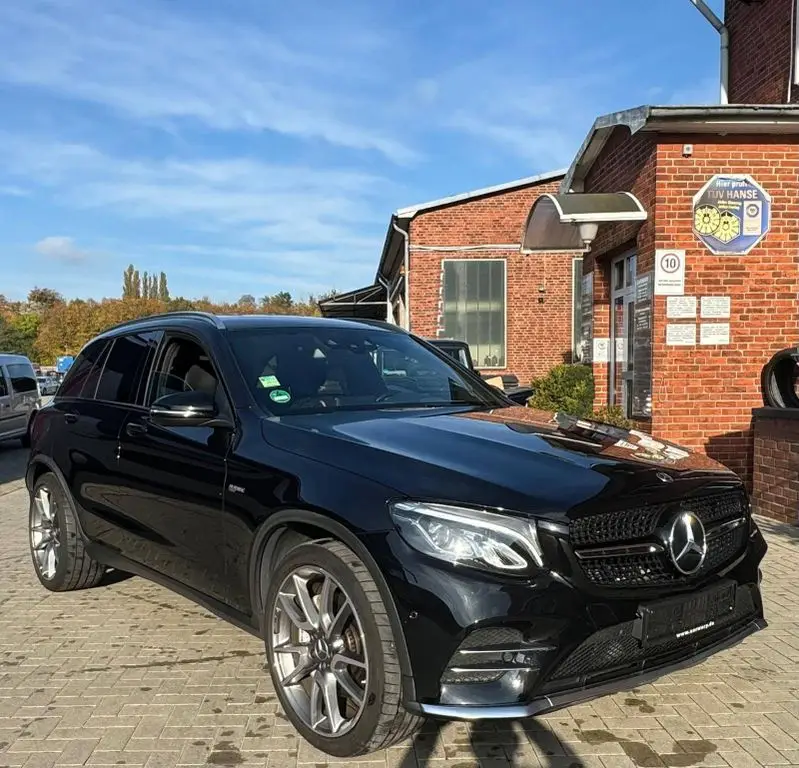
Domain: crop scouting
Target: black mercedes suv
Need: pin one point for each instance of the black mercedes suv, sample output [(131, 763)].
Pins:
[(408, 542)]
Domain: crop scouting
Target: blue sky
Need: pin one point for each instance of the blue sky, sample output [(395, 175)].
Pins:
[(252, 146)]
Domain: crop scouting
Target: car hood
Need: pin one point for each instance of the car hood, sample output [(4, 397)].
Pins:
[(526, 458)]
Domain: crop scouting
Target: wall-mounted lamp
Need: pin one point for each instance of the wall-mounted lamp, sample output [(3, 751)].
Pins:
[(588, 230)]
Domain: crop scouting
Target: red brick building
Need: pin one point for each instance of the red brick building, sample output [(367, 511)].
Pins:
[(688, 219), (467, 279)]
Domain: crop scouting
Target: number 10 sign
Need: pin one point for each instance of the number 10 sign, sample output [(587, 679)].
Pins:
[(669, 272)]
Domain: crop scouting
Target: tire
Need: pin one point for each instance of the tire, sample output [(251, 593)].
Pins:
[(69, 567), (367, 639)]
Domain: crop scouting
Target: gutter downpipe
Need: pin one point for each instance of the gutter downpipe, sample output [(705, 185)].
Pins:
[(406, 268), (724, 34), (385, 285)]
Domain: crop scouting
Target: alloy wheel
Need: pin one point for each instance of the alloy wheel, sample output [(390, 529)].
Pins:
[(45, 533), (318, 651)]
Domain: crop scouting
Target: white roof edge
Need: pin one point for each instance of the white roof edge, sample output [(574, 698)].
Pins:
[(412, 210), (640, 118)]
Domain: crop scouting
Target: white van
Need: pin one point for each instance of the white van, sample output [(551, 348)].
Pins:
[(19, 397)]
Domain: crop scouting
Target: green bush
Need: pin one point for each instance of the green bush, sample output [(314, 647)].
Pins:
[(614, 415), (566, 388), (570, 389)]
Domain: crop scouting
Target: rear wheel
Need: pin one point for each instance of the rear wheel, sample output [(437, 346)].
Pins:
[(331, 653), (57, 549)]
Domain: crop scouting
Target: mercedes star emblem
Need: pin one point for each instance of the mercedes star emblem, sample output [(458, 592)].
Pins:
[(687, 544)]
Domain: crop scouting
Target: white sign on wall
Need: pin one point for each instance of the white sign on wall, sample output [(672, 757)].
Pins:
[(680, 307), (681, 334), (714, 333), (601, 350), (715, 306), (669, 272)]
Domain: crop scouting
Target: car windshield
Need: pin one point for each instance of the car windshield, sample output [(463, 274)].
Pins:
[(316, 370)]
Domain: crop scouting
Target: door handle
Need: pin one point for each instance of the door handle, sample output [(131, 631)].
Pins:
[(134, 430), (70, 418)]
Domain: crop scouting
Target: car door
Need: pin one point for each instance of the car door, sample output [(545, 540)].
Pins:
[(23, 392), (98, 420), (173, 477), (8, 418)]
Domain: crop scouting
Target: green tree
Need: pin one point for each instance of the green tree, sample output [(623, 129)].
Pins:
[(128, 282), (163, 289)]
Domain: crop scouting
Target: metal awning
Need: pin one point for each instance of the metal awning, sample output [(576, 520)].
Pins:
[(554, 223), (368, 303)]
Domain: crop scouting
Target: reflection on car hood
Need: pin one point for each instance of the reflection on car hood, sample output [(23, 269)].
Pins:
[(534, 455)]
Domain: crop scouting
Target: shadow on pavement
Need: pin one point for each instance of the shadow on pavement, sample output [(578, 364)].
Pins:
[(507, 743), (13, 461)]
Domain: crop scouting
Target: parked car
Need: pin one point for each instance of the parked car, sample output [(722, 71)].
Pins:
[(19, 397), (47, 385), (407, 542), (460, 352)]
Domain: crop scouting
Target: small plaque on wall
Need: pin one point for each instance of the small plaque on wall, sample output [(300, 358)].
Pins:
[(714, 333), (681, 334), (680, 307)]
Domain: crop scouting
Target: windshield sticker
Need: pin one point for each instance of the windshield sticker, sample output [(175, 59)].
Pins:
[(280, 396), (267, 382)]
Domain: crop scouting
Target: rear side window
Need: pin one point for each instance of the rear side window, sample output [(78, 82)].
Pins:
[(23, 379), (126, 366), (85, 369), (3, 386)]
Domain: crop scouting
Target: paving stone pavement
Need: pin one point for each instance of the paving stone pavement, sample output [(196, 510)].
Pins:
[(129, 674)]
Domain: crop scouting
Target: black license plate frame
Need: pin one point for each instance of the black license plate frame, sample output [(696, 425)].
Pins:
[(684, 616)]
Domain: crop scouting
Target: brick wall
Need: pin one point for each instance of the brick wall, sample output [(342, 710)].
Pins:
[(702, 396), (626, 164), (538, 333), (775, 491), (760, 51)]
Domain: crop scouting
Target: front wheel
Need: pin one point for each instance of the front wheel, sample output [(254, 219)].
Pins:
[(331, 652)]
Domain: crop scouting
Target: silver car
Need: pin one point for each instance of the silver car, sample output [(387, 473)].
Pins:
[(47, 385), (19, 397)]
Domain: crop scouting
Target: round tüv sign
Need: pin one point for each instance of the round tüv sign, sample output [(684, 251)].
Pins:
[(731, 214)]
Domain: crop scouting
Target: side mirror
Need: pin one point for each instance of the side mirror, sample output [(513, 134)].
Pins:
[(184, 409)]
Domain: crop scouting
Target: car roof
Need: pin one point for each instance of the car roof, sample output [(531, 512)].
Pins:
[(237, 322), (9, 358)]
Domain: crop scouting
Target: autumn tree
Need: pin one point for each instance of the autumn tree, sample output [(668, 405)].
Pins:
[(40, 299)]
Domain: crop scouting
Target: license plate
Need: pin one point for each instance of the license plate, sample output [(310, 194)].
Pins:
[(685, 616)]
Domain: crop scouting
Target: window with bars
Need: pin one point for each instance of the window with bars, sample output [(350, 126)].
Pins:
[(474, 308)]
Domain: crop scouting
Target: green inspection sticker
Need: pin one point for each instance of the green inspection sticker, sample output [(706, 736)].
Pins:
[(280, 396), (267, 382)]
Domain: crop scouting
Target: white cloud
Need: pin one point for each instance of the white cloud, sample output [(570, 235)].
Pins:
[(61, 249), (11, 191), (539, 120), (150, 64), (313, 226)]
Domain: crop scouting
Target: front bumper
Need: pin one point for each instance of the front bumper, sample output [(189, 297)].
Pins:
[(566, 698), (484, 648)]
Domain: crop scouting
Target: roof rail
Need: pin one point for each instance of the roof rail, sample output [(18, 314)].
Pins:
[(189, 314)]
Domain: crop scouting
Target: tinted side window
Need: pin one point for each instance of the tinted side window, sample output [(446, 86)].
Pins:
[(3, 386), (89, 360), (125, 366), (23, 379), (184, 366)]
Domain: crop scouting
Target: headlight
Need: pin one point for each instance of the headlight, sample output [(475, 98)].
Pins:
[(487, 540)]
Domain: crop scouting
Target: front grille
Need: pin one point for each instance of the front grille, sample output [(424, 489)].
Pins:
[(616, 649), (641, 525)]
